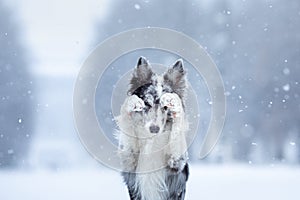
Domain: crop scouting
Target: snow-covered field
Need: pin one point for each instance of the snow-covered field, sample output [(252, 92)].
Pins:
[(206, 182)]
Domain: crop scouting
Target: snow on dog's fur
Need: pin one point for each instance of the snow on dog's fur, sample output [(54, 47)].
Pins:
[(152, 134)]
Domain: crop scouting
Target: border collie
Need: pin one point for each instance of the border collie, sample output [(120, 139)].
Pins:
[(152, 134)]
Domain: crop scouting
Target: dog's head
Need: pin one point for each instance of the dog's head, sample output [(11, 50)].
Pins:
[(150, 87)]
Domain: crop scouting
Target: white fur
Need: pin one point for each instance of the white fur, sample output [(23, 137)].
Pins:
[(152, 185), (136, 143)]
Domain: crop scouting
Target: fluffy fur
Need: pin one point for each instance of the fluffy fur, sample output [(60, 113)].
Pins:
[(152, 139)]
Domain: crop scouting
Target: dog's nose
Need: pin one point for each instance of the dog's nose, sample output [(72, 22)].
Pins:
[(154, 129)]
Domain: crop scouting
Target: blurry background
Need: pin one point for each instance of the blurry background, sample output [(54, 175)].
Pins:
[(255, 44)]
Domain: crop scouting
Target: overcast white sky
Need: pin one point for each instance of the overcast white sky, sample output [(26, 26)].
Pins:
[(57, 32)]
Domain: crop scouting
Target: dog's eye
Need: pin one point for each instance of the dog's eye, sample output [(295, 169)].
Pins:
[(148, 104), (165, 108)]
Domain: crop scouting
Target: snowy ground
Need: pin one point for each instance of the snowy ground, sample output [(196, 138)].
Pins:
[(206, 182)]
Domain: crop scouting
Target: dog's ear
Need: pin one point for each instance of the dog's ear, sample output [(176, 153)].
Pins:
[(142, 74), (175, 78)]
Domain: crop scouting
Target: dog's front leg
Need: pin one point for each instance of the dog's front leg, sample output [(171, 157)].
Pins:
[(128, 141), (128, 152), (177, 138), (177, 144)]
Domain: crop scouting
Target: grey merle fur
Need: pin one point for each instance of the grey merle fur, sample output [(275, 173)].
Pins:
[(141, 84), (176, 184)]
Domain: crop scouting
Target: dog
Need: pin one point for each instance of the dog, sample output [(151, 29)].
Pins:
[(152, 133)]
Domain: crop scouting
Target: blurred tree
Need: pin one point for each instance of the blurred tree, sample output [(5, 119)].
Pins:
[(16, 94), (264, 68)]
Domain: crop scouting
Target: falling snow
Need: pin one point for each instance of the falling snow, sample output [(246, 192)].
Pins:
[(286, 71), (10, 151), (286, 87), (292, 143), (254, 73), (270, 104), (137, 6)]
